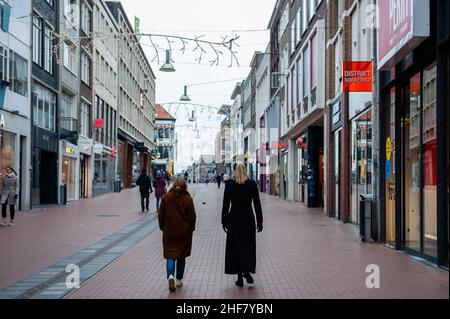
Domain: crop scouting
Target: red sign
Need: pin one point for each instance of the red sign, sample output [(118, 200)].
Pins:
[(99, 123), (114, 151), (402, 26), (357, 76), (395, 25)]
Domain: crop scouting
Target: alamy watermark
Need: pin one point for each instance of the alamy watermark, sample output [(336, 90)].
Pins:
[(73, 277), (373, 279)]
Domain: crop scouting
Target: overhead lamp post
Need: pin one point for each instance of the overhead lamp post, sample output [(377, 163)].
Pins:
[(185, 97), (168, 66)]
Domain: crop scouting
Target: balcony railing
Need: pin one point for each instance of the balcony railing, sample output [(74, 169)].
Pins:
[(68, 128), (305, 105), (314, 97)]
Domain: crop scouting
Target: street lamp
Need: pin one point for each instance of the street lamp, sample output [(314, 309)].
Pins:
[(185, 97), (167, 67)]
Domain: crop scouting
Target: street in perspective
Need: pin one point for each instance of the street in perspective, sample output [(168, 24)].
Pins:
[(226, 151)]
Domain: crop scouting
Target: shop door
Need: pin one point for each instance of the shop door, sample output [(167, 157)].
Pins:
[(419, 160), (48, 178), (83, 177), (337, 174)]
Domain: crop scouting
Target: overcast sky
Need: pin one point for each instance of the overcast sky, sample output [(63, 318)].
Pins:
[(213, 19)]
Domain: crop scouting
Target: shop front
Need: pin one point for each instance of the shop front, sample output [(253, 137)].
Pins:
[(414, 148), (85, 146), (14, 152), (70, 157), (104, 170), (45, 167)]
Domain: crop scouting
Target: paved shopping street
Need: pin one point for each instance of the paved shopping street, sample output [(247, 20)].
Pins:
[(300, 254)]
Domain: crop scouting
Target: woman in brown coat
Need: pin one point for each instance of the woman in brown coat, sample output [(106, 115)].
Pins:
[(177, 221)]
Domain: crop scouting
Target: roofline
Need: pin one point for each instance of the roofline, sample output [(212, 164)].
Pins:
[(237, 87), (111, 16), (127, 20), (274, 13)]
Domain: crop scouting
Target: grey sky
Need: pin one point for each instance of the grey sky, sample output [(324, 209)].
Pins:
[(213, 19)]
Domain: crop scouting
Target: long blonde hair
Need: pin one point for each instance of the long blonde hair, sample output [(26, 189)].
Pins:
[(240, 174)]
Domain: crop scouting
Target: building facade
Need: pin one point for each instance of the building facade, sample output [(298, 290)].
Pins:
[(302, 161), (44, 103), (85, 110), (262, 99), (69, 100), (105, 90), (136, 96), (413, 72), (166, 142), (15, 94)]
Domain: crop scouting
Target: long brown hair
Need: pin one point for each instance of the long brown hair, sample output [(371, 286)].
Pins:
[(179, 186)]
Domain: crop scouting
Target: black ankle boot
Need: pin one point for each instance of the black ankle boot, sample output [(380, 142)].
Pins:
[(240, 281), (249, 278)]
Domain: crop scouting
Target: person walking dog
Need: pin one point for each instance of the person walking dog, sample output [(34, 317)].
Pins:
[(159, 184), (177, 219), (239, 224), (145, 188), (9, 191)]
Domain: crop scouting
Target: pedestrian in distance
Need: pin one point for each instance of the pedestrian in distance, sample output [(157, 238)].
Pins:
[(145, 188), (219, 180), (9, 189), (159, 184), (177, 219), (239, 224)]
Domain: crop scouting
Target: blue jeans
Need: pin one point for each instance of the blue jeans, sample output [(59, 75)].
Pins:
[(170, 266), (158, 200)]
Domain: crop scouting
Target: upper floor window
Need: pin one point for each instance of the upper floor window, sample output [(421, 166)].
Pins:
[(69, 7), (18, 74), (69, 57), (85, 69), (86, 13), (4, 64)]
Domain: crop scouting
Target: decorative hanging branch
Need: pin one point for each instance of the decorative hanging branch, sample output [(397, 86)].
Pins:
[(200, 45)]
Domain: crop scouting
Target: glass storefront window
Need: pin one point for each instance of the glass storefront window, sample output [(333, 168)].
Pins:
[(6, 151), (412, 165), (361, 174), (68, 176), (390, 167), (430, 161)]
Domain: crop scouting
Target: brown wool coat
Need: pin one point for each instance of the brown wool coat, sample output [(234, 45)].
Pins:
[(177, 221)]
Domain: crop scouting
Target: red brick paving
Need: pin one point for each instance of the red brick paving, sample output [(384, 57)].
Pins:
[(300, 254), (43, 237)]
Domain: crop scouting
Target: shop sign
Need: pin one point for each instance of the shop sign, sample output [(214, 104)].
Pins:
[(98, 149), (388, 149), (357, 76), (70, 150), (403, 25), (2, 121), (388, 169), (336, 113), (99, 123)]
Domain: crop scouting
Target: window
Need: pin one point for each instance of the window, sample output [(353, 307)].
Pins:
[(4, 64), (86, 17), (306, 71), (305, 19), (48, 53), (314, 61), (85, 69), (69, 57), (67, 106), (37, 40), (85, 119), (312, 9), (44, 107), (70, 10), (18, 74)]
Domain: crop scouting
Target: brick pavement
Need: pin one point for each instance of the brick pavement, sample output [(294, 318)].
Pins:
[(45, 236), (300, 254)]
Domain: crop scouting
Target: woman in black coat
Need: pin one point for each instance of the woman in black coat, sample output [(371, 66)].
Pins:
[(239, 224)]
